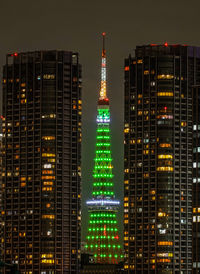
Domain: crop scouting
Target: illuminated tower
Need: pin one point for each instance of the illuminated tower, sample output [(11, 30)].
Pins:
[(103, 239)]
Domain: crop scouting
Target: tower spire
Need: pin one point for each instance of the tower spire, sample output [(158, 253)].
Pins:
[(103, 49), (103, 95)]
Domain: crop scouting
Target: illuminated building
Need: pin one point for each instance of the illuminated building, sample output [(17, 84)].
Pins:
[(103, 239), (41, 161), (158, 158), (1, 222), (196, 180)]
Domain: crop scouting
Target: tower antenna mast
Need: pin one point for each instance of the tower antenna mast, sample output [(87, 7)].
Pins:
[(103, 92)]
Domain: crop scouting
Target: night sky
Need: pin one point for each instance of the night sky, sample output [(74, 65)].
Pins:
[(77, 25)]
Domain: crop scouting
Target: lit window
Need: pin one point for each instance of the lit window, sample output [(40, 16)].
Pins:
[(183, 124), (196, 149), (165, 94), (194, 127), (170, 117), (126, 130), (195, 165), (165, 168), (48, 255), (48, 138), (161, 214), (167, 243), (165, 76), (23, 101), (22, 234), (165, 145), (47, 261), (47, 171), (164, 254), (48, 216), (47, 189), (51, 160), (48, 155), (165, 156), (47, 165), (49, 116), (196, 180), (48, 76), (48, 183)]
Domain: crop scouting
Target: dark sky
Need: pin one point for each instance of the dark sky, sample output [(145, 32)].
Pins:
[(77, 25)]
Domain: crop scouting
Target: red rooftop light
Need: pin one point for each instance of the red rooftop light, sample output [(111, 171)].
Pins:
[(103, 33)]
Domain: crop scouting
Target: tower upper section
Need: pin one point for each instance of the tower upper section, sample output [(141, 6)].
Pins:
[(103, 100)]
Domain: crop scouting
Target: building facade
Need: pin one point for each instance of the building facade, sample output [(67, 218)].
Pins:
[(41, 161), (1, 222), (158, 158), (196, 180)]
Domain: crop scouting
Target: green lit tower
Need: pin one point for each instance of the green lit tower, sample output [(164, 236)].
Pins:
[(103, 238)]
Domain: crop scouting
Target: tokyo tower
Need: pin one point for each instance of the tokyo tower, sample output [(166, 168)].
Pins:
[(102, 237)]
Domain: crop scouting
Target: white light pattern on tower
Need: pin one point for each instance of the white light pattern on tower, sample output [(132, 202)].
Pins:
[(103, 71)]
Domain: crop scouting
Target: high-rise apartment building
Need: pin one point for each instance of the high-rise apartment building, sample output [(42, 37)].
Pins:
[(1, 222), (41, 161), (196, 180), (158, 158)]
